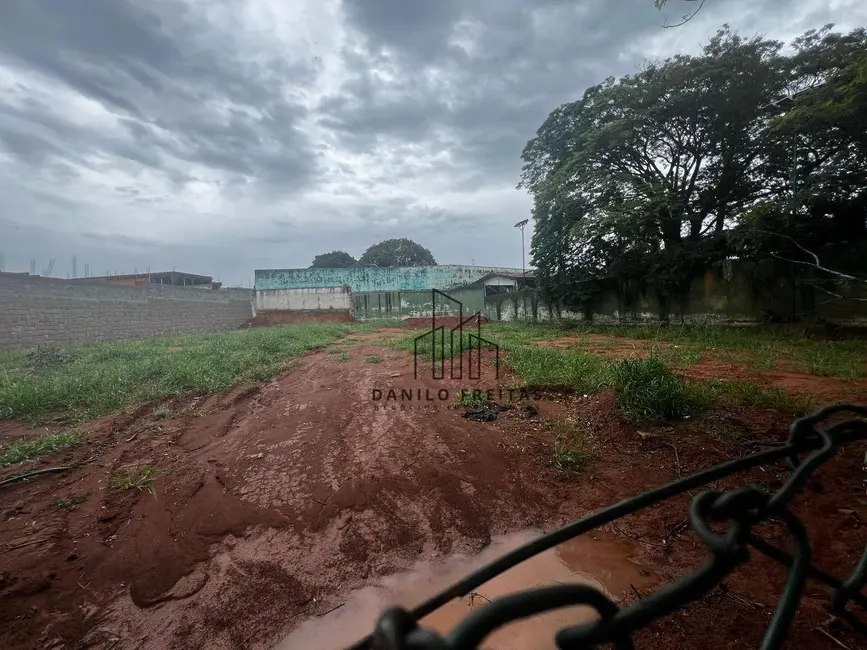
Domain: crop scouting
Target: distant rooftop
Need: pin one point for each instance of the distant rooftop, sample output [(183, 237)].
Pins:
[(176, 278)]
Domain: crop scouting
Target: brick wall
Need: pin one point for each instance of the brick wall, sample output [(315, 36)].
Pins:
[(36, 310)]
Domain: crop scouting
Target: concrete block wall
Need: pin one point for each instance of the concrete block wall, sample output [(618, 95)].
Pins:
[(317, 298), (36, 310)]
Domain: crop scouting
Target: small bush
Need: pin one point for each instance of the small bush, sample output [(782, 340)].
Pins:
[(648, 391), (46, 357)]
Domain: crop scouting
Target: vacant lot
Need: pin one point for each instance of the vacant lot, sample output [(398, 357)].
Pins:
[(222, 490)]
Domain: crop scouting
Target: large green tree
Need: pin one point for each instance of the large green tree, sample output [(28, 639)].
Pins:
[(333, 260), (397, 252), (648, 178)]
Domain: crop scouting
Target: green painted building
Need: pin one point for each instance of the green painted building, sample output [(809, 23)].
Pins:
[(384, 292)]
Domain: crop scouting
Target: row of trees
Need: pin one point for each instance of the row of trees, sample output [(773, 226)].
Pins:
[(739, 151), (391, 252)]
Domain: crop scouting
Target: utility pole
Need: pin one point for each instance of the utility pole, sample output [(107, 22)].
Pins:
[(74, 267), (521, 225)]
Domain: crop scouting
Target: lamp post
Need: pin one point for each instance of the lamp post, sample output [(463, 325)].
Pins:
[(520, 225)]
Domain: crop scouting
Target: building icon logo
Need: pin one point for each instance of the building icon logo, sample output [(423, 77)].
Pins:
[(453, 345)]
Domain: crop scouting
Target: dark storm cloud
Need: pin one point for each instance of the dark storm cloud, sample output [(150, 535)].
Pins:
[(218, 136), (177, 88), (525, 58)]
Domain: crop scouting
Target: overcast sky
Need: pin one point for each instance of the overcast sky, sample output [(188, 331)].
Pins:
[(221, 136)]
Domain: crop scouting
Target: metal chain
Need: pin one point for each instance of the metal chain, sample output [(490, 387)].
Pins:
[(741, 509)]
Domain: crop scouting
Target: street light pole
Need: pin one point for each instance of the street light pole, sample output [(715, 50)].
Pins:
[(520, 225)]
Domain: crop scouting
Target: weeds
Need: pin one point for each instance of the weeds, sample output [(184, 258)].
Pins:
[(544, 367), (373, 358), (342, 357), (743, 393), (648, 391), (32, 448), (571, 449), (46, 357), (71, 503), (141, 479), (162, 413)]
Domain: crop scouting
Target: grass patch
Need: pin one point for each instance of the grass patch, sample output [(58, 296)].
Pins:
[(103, 377), (545, 367), (71, 503), (648, 391), (373, 358), (743, 393), (571, 449), (342, 357), (32, 448), (141, 479)]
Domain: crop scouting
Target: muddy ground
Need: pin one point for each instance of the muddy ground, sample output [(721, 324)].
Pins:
[(272, 504)]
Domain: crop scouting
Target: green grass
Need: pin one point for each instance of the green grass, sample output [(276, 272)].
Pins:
[(105, 377), (743, 393), (36, 447), (550, 368), (648, 391), (142, 478), (760, 348), (373, 358)]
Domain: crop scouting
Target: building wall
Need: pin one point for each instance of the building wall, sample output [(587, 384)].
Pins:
[(725, 295), (376, 279), (37, 310), (319, 298), (416, 304)]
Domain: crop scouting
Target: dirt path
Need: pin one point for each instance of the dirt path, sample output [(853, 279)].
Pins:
[(274, 504)]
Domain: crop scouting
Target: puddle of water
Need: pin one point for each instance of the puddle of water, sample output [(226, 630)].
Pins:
[(597, 559)]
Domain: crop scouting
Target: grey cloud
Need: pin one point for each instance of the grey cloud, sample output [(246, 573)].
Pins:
[(441, 95), (176, 88), (527, 58)]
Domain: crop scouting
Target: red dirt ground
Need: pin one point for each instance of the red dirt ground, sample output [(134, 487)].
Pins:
[(274, 502)]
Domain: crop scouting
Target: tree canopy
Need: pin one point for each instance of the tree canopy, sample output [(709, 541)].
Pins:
[(739, 150), (333, 260), (397, 252)]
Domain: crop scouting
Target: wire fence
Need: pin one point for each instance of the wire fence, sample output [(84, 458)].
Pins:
[(812, 441)]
